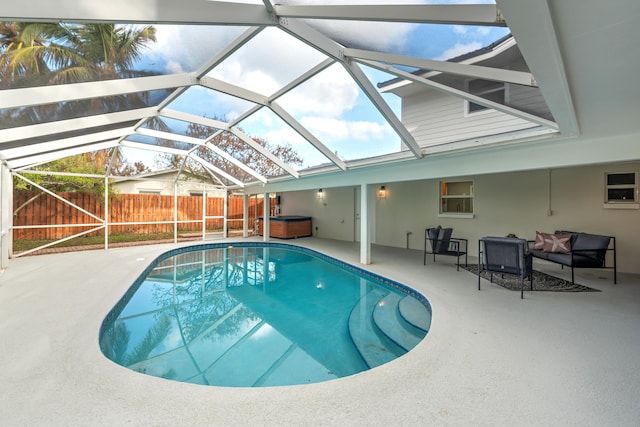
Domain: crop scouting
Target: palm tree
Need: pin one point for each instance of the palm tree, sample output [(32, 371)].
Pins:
[(55, 53), (32, 53), (108, 52), (37, 54)]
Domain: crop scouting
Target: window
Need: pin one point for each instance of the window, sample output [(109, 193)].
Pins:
[(150, 191), (195, 193), (493, 91), (621, 189), (456, 198)]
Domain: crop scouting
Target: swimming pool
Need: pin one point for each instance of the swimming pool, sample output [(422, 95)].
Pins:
[(260, 314)]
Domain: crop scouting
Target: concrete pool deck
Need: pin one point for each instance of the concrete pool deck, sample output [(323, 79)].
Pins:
[(490, 358)]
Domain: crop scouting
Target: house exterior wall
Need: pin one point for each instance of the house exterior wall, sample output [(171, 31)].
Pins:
[(332, 217), (513, 202), (435, 118), (165, 188), (137, 187)]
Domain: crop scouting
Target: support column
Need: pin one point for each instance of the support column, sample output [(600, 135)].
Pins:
[(106, 212), (245, 216), (175, 212), (365, 224), (266, 210), (225, 221), (6, 215), (204, 213)]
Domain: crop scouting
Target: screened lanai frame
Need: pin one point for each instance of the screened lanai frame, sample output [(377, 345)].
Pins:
[(23, 147), (302, 22), (103, 223)]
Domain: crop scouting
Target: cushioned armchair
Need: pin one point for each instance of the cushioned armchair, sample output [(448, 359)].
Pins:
[(505, 255), (440, 242)]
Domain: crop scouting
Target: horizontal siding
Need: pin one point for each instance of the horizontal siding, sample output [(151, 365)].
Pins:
[(436, 118), (529, 99)]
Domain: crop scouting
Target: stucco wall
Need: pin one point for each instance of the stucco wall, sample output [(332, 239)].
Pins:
[(332, 217), (517, 203), (164, 188)]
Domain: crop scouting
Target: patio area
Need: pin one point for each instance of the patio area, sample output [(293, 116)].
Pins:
[(490, 358)]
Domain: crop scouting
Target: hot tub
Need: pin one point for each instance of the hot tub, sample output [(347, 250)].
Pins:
[(287, 226)]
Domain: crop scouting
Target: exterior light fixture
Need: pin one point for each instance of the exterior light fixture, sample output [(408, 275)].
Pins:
[(382, 192), (320, 194)]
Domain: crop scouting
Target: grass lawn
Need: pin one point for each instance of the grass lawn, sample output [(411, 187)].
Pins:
[(25, 245)]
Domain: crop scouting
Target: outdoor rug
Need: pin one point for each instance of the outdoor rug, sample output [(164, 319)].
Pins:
[(541, 282)]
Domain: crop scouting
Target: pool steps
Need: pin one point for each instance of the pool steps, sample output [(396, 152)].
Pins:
[(384, 326), (415, 313), (388, 319)]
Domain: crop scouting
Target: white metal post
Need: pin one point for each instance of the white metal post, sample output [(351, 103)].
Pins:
[(106, 213), (245, 216), (204, 213), (6, 215), (225, 221), (265, 218), (365, 224), (175, 212)]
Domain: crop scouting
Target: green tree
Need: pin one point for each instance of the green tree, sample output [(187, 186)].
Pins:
[(238, 149), (33, 54), (57, 53)]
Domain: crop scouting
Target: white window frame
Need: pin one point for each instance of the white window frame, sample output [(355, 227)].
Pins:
[(461, 197), (617, 203), (500, 87)]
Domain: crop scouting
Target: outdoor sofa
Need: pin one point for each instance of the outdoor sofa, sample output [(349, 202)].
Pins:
[(575, 250)]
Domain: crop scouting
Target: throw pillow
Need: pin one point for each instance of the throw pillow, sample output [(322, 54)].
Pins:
[(558, 243), (539, 242)]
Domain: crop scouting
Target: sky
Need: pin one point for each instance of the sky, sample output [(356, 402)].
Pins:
[(330, 105)]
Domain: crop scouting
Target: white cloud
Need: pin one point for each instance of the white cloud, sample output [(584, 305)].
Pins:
[(379, 36), (174, 67), (459, 49), (341, 130), (188, 47), (459, 29), (268, 62), (330, 93)]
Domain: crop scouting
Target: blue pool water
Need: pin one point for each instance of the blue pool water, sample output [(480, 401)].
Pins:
[(255, 315)]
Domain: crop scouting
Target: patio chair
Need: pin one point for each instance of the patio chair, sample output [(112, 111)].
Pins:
[(441, 243), (505, 255)]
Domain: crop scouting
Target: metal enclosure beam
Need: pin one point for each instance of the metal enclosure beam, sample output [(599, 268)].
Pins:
[(43, 129), (39, 158), (468, 70), (384, 109), (15, 98), (6, 215), (462, 94), (467, 14), (139, 11), (532, 25)]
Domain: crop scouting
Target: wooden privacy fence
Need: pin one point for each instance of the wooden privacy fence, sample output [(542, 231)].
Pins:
[(34, 208)]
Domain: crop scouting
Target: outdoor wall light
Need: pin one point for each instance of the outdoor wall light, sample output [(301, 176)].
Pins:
[(320, 194), (382, 192)]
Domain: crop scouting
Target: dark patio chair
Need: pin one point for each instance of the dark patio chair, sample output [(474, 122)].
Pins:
[(441, 243), (505, 255)]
